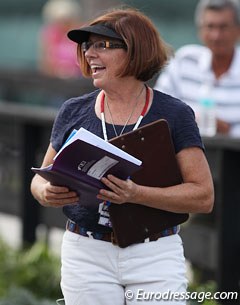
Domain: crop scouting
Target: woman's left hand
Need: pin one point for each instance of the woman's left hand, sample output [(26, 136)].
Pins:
[(121, 191)]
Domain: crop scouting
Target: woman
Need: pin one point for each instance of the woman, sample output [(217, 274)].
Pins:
[(121, 50)]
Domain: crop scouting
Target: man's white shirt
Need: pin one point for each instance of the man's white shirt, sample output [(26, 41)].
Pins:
[(190, 71)]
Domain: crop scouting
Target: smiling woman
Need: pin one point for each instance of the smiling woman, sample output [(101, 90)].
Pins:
[(131, 41), (120, 51)]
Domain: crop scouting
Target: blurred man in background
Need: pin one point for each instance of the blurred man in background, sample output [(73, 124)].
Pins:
[(215, 66)]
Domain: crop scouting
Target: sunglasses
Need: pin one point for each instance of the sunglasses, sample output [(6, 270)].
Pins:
[(102, 45)]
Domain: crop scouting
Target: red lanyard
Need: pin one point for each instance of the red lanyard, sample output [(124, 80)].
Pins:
[(144, 110)]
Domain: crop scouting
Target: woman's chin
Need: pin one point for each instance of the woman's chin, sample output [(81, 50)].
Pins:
[(97, 83)]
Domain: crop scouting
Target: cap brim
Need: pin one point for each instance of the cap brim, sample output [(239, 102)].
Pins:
[(82, 34)]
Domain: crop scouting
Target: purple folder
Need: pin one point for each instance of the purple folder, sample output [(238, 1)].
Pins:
[(81, 165)]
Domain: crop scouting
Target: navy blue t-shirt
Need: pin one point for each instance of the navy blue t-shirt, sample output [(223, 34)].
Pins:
[(80, 112)]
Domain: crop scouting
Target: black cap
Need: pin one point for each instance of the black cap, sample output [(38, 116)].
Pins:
[(82, 34)]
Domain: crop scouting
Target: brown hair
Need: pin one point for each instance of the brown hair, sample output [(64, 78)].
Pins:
[(146, 50)]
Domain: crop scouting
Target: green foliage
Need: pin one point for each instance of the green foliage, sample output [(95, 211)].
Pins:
[(18, 296), (34, 269), (208, 286)]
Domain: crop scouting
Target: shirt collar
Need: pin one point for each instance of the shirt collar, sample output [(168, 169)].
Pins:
[(234, 68), (206, 59)]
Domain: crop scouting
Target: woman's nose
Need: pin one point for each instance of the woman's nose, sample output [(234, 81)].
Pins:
[(90, 52)]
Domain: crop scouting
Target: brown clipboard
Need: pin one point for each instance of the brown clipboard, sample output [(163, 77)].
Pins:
[(153, 145)]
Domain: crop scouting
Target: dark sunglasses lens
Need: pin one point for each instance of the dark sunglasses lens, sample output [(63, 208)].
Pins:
[(99, 45), (85, 46)]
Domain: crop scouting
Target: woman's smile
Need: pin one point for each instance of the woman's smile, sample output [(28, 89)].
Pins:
[(97, 69)]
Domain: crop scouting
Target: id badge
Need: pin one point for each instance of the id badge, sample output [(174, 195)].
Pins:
[(104, 218)]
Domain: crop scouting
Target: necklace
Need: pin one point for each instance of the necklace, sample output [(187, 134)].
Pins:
[(144, 110), (128, 119)]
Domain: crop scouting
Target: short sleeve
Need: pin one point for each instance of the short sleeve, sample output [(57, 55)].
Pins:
[(185, 131), (61, 127)]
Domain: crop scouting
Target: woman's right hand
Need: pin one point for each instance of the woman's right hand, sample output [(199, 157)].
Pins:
[(46, 193), (50, 195)]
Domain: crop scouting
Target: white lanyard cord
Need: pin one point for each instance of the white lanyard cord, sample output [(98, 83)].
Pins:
[(138, 121)]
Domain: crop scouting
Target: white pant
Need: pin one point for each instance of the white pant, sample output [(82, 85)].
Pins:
[(96, 272)]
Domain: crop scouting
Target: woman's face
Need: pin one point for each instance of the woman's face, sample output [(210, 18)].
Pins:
[(105, 62)]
